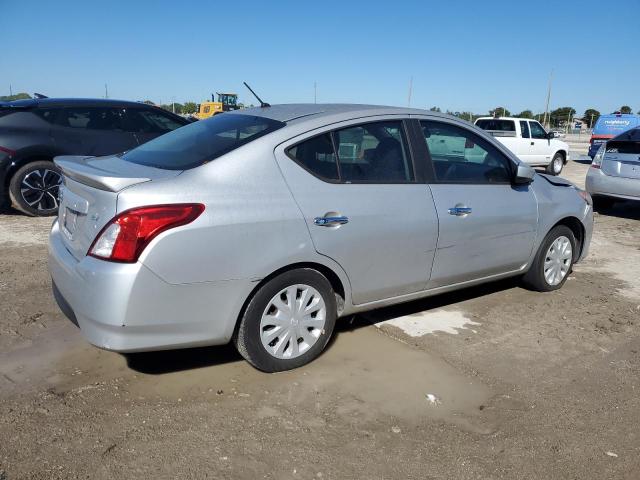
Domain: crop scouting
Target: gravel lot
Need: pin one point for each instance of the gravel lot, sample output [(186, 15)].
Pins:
[(492, 382)]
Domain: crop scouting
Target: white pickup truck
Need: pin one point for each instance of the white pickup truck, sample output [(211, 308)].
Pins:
[(529, 141)]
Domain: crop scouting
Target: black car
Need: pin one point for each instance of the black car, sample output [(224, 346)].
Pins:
[(33, 132)]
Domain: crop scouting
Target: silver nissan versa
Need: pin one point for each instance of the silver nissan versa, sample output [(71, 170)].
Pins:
[(265, 225)]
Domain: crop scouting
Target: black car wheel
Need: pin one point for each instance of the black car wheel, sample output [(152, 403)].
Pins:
[(34, 188)]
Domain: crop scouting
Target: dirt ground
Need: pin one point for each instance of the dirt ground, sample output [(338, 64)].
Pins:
[(492, 382)]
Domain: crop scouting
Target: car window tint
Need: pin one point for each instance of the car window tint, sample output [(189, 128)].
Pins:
[(374, 152), (537, 131), (47, 114), (145, 121), (460, 156), (524, 126), (201, 142), (496, 125), (93, 118), (317, 155)]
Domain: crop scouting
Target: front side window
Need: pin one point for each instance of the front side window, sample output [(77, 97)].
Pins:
[(524, 126), (202, 141), (374, 152), (91, 118), (460, 156), (537, 131)]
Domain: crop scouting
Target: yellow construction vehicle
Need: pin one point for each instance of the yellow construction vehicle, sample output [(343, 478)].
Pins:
[(226, 102)]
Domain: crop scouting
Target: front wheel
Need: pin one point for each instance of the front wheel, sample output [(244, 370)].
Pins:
[(553, 262), (288, 321), (33, 189), (556, 165)]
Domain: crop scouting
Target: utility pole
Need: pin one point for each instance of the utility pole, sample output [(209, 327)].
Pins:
[(106, 91), (10, 91), (546, 110), (315, 92), (410, 88)]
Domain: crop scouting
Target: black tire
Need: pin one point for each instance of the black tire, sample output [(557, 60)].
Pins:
[(556, 165), (247, 337), (42, 199), (534, 279), (603, 203)]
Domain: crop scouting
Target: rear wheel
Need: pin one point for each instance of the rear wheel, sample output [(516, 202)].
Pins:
[(33, 189), (556, 165), (553, 262), (288, 322)]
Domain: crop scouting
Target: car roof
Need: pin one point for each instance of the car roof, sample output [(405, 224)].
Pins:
[(293, 113), (64, 102), (507, 118)]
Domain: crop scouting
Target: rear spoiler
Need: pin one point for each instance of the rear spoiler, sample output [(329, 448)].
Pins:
[(76, 168)]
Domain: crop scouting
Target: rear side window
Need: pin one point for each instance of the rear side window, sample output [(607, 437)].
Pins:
[(318, 156), (524, 126), (47, 114), (92, 118), (497, 125), (202, 141), (374, 152), (148, 121)]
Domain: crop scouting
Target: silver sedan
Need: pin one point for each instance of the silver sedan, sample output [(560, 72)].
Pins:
[(264, 226), (615, 170)]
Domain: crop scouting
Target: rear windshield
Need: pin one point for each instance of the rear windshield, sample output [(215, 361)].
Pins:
[(202, 141), (497, 125)]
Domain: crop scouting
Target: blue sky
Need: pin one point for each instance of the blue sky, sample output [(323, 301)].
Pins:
[(462, 55)]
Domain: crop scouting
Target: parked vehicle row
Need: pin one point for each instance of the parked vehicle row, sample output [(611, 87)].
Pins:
[(263, 226), (615, 170), (529, 141), (33, 132)]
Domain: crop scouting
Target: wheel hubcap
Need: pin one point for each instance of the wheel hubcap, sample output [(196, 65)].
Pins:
[(557, 165), (293, 321), (39, 189), (558, 260)]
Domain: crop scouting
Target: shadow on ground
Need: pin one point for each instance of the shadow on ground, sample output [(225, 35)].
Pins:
[(168, 361)]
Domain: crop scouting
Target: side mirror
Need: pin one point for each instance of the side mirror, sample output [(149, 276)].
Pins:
[(551, 135), (524, 174)]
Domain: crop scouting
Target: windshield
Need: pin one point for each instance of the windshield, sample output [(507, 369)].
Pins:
[(200, 142)]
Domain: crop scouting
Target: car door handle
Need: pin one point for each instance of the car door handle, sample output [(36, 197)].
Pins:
[(460, 211), (330, 221), (533, 143)]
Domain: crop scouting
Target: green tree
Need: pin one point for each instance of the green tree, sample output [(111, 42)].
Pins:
[(502, 112), (17, 96), (560, 116), (435, 109), (591, 116), (525, 114), (189, 107), (625, 109)]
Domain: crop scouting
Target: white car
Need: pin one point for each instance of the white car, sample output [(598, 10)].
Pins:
[(529, 141)]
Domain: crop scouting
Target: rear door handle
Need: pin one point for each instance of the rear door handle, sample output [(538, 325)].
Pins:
[(460, 211), (330, 221)]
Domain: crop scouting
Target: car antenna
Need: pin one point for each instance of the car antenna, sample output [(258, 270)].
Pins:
[(262, 104), (39, 95)]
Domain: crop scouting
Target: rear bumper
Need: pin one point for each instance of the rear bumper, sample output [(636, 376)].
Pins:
[(128, 308), (597, 183)]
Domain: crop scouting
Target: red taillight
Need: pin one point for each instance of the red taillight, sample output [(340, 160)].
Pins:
[(125, 237)]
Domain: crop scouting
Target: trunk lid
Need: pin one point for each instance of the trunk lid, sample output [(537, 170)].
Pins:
[(89, 195), (622, 159)]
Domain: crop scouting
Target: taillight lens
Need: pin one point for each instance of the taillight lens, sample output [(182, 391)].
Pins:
[(125, 237), (597, 160)]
